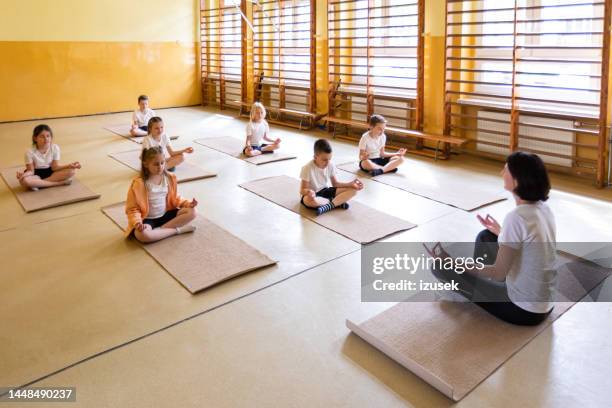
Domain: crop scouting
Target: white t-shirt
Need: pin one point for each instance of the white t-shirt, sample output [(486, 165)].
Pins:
[(142, 118), (372, 145), (164, 142), (531, 230), (318, 178), (157, 197), (42, 160), (257, 130)]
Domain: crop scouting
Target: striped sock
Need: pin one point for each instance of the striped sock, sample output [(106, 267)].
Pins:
[(325, 208), (376, 172), (344, 206)]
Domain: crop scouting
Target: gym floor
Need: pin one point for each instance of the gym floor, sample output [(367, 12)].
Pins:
[(84, 308)]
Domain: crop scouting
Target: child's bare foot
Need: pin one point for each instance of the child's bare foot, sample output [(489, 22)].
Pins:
[(185, 229)]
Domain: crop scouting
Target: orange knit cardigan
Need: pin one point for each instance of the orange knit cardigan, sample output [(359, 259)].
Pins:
[(137, 204)]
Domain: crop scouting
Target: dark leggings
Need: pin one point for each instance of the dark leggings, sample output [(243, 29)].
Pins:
[(490, 295)]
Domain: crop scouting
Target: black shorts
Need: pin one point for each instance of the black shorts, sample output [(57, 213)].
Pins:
[(158, 222), (145, 128), (381, 161), (327, 192), (43, 173), (254, 147)]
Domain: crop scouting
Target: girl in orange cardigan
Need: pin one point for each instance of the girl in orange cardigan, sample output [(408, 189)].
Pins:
[(155, 210)]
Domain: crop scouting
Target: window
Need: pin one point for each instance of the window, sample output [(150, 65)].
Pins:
[(557, 44), (374, 58), (283, 48), (529, 75), (221, 38)]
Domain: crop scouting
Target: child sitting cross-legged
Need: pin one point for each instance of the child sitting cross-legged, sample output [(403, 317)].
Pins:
[(372, 155), (154, 208), (320, 189)]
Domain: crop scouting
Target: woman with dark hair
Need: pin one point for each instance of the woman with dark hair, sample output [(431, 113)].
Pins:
[(517, 281)]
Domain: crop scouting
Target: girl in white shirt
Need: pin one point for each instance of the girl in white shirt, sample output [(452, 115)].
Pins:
[(157, 137), (518, 281), (42, 163), (372, 155), (257, 130), (141, 116), (154, 208)]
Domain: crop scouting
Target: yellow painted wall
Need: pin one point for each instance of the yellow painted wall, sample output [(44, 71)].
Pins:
[(71, 57)]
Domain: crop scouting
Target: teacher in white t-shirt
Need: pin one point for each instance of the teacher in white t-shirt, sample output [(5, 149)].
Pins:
[(517, 282)]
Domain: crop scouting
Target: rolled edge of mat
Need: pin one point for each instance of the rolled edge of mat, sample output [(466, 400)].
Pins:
[(199, 177), (194, 291), (488, 203), (248, 159), (246, 184), (408, 364), (71, 201), (135, 139)]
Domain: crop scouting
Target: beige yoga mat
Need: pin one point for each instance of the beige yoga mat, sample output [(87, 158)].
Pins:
[(233, 147), (201, 259), (46, 197), (454, 346), (360, 223), (467, 196), (185, 171), (124, 131)]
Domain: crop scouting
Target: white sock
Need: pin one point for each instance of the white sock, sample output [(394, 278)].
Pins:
[(185, 228)]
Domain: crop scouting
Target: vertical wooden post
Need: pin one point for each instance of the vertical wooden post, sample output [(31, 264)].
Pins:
[(418, 116), (281, 96), (369, 105), (603, 97), (447, 101), (222, 92), (312, 101), (369, 92), (514, 113), (243, 54), (204, 53), (281, 80), (420, 67), (220, 54)]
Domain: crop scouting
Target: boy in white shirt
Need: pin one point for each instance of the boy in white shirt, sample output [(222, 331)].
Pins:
[(320, 190), (258, 130), (141, 117), (372, 155)]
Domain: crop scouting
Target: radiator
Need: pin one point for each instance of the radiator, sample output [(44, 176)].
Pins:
[(554, 136)]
